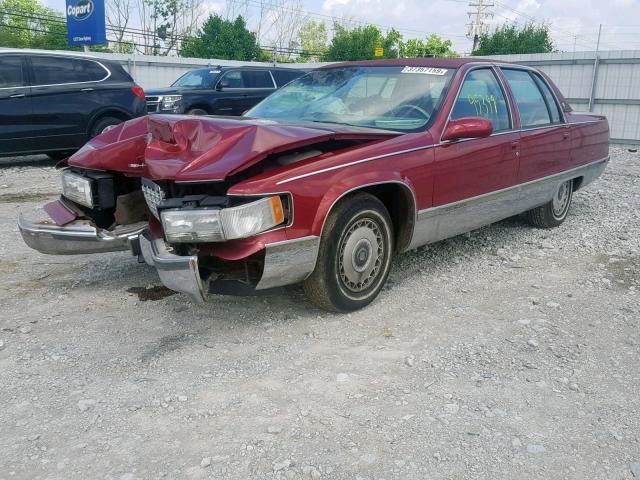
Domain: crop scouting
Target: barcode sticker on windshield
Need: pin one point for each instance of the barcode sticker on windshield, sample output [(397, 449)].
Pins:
[(425, 70)]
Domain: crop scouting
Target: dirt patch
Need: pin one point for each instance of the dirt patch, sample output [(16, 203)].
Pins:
[(157, 292), (625, 271)]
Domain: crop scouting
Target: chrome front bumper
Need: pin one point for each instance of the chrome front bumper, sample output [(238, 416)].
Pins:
[(179, 273), (77, 237), (285, 262)]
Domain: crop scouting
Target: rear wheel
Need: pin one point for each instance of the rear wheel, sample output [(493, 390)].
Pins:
[(103, 125), (354, 257), (555, 212), (197, 111)]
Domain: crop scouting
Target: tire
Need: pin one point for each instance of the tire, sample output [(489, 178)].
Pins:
[(197, 111), (555, 212), (103, 124), (348, 274)]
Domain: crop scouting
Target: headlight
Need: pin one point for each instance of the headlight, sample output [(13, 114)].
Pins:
[(77, 188), (171, 102), (204, 225)]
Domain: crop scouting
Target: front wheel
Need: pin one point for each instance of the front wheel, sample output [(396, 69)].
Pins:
[(355, 254), (555, 212)]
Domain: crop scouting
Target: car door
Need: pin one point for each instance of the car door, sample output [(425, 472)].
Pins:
[(545, 144), (64, 98), (15, 105), (230, 94), (471, 168), (258, 84)]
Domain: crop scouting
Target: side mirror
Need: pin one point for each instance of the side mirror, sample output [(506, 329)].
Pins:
[(220, 87), (468, 127)]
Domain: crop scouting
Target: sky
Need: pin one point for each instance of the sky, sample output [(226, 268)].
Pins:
[(573, 23)]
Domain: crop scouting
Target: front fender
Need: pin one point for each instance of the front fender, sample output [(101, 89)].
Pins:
[(353, 184)]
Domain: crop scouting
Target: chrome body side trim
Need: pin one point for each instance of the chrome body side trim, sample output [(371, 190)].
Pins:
[(356, 162), (289, 261), (176, 272), (445, 221), (76, 238)]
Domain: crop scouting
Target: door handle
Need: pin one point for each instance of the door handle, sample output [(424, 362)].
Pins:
[(565, 135), (17, 95), (86, 89), (514, 145)]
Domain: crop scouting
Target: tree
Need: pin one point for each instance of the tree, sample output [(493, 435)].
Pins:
[(433, 46), (312, 40), (360, 43), (222, 39), (27, 24), (165, 22), (511, 38)]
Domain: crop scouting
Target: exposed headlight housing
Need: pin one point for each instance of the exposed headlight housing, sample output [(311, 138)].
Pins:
[(218, 225), (77, 188), (171, 102)]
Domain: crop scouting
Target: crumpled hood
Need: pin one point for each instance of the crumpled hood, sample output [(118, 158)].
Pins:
[(187, 148)]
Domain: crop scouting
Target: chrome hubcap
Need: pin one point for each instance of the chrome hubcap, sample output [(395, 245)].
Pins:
[(561, 199), (360, 254)]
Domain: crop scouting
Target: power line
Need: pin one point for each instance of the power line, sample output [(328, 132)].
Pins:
[(478, 25)]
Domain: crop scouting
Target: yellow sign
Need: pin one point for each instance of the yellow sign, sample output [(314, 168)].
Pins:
[(379, 52)]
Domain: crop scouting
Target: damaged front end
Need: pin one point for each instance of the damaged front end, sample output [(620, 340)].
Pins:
[(159, 186)]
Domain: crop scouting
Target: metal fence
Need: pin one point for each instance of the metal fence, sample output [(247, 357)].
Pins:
[(606, 82)]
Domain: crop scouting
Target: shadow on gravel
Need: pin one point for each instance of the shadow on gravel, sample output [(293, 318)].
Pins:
[(27, 161)]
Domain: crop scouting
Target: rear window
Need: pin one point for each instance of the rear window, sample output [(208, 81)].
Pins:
[(11, 74), (56, 70), (282, 77)]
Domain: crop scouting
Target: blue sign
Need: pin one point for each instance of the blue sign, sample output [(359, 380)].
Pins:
[(85, 22)]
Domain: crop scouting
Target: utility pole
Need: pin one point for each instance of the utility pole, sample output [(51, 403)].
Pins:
[(478, 17)]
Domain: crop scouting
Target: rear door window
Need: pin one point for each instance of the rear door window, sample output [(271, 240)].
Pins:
[(57, 70), (531, 104), (11, 72), (257, 79), (282, 77), (482, 96)]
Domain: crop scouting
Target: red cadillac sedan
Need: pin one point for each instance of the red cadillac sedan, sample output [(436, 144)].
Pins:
[(328, 178)]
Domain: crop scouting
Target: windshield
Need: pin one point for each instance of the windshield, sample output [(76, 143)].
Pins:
[(393, 98), (197, 79)]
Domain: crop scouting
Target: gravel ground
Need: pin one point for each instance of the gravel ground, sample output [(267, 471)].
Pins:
[(506, 353)]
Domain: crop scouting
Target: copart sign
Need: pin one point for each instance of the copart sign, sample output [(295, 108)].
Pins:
[(85, 22)]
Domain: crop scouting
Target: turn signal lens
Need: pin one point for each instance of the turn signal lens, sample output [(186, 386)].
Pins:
[(252, 218)]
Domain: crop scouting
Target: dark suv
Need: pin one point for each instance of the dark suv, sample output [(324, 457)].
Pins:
[(219, 90), (53, 103)]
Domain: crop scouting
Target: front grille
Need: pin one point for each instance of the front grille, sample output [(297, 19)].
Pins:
[(153, 104), (153, 195)]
